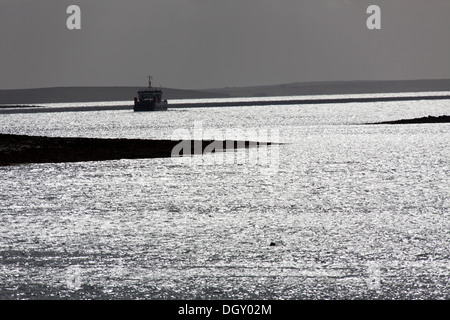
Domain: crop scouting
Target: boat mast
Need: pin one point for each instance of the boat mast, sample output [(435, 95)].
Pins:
[(150, 82)]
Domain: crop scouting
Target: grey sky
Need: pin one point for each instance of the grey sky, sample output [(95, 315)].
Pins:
[(217, 43)]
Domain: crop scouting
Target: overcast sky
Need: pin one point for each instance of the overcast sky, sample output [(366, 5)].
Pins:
[(195, 44)]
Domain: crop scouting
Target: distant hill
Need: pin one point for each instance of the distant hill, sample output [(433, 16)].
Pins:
[(335, 87), (92, 94)]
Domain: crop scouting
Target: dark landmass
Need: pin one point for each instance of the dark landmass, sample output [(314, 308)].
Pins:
[(92, 94), (5, 106), (20, 149), (429, 119)]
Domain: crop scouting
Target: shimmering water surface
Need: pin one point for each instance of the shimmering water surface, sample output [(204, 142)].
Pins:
[(351, 210)]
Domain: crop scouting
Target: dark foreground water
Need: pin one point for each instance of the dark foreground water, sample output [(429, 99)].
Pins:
[(342, 210)]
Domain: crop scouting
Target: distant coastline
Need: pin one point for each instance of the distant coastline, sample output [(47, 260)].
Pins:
[(96, 94)]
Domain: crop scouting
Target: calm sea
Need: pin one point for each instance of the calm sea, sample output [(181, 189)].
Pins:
[(339, 210)]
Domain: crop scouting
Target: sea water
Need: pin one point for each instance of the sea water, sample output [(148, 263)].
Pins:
[(340, 209)]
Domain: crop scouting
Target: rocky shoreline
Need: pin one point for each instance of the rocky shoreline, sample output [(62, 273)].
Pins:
[(21, 149), (429, 119)]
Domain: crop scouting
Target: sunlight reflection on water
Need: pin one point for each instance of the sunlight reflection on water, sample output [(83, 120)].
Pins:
[(353, 211)]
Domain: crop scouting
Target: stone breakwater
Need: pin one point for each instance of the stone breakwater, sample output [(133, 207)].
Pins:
[(20, 149)]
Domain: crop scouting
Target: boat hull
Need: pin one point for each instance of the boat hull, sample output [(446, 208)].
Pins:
[(150, 106)]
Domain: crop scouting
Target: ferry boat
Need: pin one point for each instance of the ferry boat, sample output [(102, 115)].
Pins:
[(150, 99)]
